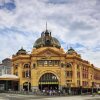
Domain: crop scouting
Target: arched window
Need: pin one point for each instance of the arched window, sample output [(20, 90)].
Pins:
[(26, 66), (68, 65), (27, 86), (48, 77), (16, 66), (48, 81)]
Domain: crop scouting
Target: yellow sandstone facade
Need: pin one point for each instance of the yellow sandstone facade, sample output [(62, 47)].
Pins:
[(48, 66)]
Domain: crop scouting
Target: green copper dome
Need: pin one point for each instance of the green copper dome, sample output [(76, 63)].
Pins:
[(71, 50), (46, 40), (21, 52)]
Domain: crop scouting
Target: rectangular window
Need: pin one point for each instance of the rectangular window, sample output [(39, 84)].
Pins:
[(69, 73), (16, 73), (78, 74), (26, 74), (48, 62), (78, 82), (45, 62), (23, 74)]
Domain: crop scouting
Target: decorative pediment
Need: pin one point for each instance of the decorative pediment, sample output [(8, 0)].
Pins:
[(49, 53)]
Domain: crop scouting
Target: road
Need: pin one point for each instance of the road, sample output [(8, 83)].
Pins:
[(5, 96)]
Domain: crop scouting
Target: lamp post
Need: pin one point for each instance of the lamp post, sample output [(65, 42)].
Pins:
[(81, 90), (28, 86), (28, 76), (92, 87), (69, 90)]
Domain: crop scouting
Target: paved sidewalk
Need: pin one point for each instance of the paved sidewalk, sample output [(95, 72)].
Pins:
[(74, 98), (5, 96)]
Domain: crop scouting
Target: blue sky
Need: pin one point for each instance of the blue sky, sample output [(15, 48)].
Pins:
[(76, 23)]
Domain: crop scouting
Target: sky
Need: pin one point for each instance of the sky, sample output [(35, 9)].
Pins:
[(75, 23)]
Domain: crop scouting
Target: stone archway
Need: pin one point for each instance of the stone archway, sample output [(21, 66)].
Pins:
[(26, 86), (48, 81)]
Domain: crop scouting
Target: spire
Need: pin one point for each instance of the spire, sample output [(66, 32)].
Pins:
[(46, 31), (46, 26), (21, 47)]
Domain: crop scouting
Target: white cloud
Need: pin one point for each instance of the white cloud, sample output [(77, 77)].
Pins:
[(72, 22)]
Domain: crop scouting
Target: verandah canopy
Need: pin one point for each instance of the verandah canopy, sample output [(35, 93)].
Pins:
[(9, 77)]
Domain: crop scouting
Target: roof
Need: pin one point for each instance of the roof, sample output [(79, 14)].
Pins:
[(6, 59), (21, 51), (70, 51), (46, 40)]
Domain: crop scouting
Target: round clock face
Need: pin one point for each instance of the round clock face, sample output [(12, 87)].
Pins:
[(47, 42)]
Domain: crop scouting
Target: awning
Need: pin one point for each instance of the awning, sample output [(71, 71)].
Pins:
[(9, 77)]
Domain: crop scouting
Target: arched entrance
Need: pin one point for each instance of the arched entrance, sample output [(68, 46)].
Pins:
[(27, 86), (48, 81)]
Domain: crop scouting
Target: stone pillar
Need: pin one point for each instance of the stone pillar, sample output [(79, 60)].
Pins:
[(20, 88), (75, 74), (81, 75), (20, 76)]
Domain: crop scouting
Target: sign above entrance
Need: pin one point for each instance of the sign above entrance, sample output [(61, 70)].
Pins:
[(48, 82)]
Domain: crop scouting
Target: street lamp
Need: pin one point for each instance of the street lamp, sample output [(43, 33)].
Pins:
[(28, 86), (92, 87), (69, 90), (81, 90), (28, 76)]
